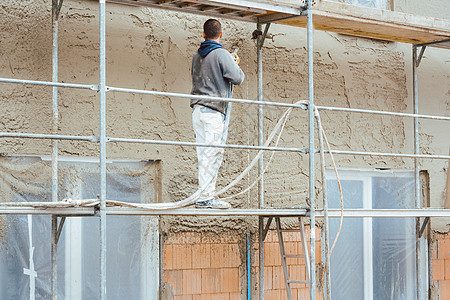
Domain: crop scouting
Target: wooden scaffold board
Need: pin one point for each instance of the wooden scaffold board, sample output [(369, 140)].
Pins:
[(329, 16)]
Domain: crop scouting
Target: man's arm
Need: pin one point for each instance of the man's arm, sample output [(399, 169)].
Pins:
[(230, 69)]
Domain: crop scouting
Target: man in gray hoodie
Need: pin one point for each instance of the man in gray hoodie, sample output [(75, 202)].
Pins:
[(213, 72)]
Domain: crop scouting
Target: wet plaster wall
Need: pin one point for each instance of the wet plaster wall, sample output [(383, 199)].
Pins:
[(152, 49)]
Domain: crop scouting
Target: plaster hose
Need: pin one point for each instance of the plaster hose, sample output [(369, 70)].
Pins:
[(280, 125), (188, 201), (194, 197), (322, 137)]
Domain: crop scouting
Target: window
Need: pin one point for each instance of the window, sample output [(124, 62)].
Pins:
[(132, 241), (374, 258)]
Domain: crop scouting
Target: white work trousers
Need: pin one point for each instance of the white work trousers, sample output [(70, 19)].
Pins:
[(209, 129)]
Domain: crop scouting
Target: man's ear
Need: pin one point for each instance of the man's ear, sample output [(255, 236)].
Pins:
[(204, 35), (220, 36)]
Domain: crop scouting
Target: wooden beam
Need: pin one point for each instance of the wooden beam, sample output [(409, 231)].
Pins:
[(189, 4), (226, 11), (374, 23), (162, 2), (327, 15)]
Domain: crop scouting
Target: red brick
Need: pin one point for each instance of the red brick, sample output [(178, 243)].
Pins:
[(297, 272), (444, 248), (294, 294), (291, 248), (307, 232), (216, 296), (438, 269), (225, 256), (192, 282), (292, 236), (272, 255), (182, 256), (445, 289), (446, 269), (229, 280), (303, 294), (175, 279), (273, 294), (235, 296), (168, 257), (201, 256), (210, 281), (268, 278), (283, 295), (271, 236), (318, 252), (183, 297), (278, 278)]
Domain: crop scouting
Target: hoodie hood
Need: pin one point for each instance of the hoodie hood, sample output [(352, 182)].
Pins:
[(207, 46)]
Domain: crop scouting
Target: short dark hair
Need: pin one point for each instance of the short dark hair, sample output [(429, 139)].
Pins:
[(212, 29)]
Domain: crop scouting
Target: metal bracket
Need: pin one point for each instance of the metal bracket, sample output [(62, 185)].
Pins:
[(266, 229), (433, 43), (424, 225), (304, 7), (261, 36), (57, 8), (419, 59), (60, 227)]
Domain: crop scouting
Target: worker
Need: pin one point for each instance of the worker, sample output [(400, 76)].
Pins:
[(214, 70)]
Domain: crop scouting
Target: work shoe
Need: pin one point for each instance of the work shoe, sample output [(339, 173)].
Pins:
[(212, 203)]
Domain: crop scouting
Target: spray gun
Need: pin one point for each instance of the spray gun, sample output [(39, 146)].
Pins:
[(235, 56)]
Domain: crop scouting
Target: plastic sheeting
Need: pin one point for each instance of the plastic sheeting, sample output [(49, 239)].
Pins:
[(128, 267), (382, 4), (374, 258)]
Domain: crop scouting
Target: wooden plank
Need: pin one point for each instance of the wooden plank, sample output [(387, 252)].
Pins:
[(374, 23), (160, 2), (327, 15), (193, 9)]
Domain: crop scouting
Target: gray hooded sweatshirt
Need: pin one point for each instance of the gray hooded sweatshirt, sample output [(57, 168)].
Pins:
[(211, 76)]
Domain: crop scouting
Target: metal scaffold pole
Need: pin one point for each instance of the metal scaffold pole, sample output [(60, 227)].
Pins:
[(55, 121), (311, 151), (261, 160), (102, 91), (422, 288)]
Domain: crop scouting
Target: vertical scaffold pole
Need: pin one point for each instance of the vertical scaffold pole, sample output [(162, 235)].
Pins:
[(311, 150), (54, 249), (261, 160), (102, 91), (260, 115), (421, 292)]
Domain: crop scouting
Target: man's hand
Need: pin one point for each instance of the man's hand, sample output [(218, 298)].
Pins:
[(235, 56)]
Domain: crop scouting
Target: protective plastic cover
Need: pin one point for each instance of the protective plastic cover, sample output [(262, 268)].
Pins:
[(373, 258), (25, 248)]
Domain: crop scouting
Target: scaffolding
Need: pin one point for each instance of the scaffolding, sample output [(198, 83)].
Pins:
[(329, 16)]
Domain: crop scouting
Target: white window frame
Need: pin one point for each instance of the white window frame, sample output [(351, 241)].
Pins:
[(366, 176)]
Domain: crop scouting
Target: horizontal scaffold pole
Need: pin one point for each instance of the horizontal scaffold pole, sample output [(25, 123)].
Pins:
[(49, 83)]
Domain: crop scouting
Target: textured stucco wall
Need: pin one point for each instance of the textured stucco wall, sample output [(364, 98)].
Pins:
[(152, 49)]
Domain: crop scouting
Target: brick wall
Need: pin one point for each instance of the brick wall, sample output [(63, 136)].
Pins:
[(213, 266), (202, 266), (441, 267), (274, 284)]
